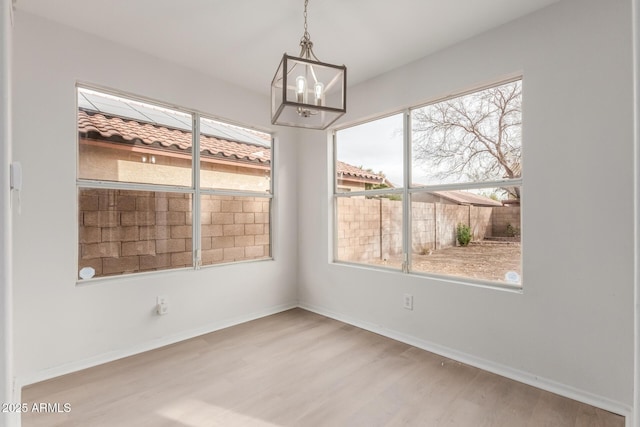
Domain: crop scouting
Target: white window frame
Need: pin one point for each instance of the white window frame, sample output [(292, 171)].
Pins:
[(194, 190), (407, 190)]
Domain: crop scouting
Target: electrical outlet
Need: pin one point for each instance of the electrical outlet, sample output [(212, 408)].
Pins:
[(408, 301), (162, 306)]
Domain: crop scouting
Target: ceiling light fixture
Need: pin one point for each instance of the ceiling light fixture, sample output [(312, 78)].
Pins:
[(305, 92)]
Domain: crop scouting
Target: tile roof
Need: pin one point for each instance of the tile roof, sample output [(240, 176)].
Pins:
[(95, 125), (116, 129), (356, 172)]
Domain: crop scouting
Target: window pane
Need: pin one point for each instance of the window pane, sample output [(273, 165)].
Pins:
[(370, 230), (129, 141), (370, 155), (234, 228), (471, 138), (125, 231), (472, 234), (234, 158)]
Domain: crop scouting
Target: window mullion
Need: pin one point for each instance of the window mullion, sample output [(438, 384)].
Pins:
[(334, 180), (141, 179), (406, 202), (196, 211), (429, 209), (114, 185), (511, 182), (234, 193)]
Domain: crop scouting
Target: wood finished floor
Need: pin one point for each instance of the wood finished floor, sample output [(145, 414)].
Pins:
[(298, 368)]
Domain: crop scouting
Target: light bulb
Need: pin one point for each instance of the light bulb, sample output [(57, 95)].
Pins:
[(319, 92), (301, 89)]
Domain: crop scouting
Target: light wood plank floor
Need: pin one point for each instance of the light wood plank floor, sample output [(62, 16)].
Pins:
[(298, 368)]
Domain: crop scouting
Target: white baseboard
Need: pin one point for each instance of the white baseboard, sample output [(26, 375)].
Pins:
[(141, 348), (486, 365), (502, 370)]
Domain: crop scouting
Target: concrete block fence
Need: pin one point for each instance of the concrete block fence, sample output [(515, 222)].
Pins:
[(371, 229), (123, 231)]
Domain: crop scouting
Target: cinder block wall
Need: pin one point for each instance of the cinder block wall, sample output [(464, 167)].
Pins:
[(234, 228), (480, 221), (504, 216), (123, 231), (371, 229), (359, 229), (391, 228)]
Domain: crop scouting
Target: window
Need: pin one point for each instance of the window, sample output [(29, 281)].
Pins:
[(369, 180), (451, 208), (148, 201)]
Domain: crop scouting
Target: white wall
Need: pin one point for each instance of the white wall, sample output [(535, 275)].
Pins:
[(6, 320), (60, 326), (571, 330), (636, 79)]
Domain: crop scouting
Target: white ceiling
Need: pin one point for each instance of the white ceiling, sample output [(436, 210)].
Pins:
[(242, 41)]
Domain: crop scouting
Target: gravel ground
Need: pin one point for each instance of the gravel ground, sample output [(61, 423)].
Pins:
[(480, 261)]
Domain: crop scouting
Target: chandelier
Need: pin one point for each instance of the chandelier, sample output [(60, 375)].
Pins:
[(306, 92)]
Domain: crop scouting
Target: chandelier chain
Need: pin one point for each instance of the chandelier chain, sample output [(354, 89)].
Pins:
[(305, 42), (306, 31)]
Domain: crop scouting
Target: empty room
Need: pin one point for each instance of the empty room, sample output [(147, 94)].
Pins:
[(319, 213)]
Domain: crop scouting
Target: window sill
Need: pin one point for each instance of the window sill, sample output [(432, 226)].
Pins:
[(454, 280)]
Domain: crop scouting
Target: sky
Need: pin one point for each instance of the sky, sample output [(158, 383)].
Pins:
[(378, 145), (375, 145)]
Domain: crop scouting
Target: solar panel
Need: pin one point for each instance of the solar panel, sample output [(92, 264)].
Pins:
[(83, 102), (109, 106), (163, 116), (224, 131), (113, 105)]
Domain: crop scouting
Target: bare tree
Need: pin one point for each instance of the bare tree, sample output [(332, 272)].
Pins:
[(475, 137)]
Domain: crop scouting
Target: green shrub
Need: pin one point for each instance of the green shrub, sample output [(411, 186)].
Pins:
[(513, 231), (463, 233)]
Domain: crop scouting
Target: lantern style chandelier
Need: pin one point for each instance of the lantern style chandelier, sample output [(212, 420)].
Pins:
[(306, 92)]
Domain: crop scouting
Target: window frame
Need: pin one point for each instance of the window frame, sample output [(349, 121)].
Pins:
[(407, 190), (194, 190)]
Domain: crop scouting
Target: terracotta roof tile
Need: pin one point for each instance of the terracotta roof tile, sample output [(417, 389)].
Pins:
[(98, 125), (90, 124), (347, 169)]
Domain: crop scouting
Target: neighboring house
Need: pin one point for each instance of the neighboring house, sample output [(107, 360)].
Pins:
[(352, 178), (130, 228), (117, 149), (148, 150)]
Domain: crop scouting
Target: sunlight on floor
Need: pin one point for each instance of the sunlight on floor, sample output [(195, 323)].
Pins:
[(196, 413)]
